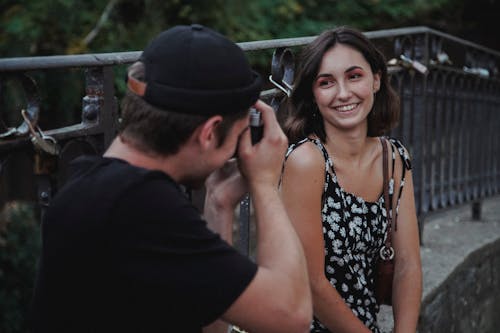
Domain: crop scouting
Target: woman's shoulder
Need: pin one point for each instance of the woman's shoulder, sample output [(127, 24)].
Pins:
[(305, 155)]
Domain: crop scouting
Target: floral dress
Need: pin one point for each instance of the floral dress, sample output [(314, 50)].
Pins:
[(353, 232)]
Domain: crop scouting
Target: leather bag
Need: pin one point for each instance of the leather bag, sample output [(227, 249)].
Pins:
[(384, 271)]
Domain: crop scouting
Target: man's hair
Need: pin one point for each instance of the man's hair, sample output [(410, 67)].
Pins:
[(162, 132), (303, 117)]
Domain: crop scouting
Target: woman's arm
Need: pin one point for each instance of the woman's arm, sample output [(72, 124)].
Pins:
[(302, 189), (407, 285)]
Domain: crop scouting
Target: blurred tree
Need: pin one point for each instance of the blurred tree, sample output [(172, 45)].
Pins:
[(47, 27)]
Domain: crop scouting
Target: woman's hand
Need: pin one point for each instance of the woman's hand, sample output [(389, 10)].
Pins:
[(226, 186)]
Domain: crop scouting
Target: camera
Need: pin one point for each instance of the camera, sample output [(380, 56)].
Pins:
[(256, 125)]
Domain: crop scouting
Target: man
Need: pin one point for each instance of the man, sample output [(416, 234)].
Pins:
[(125, 250)]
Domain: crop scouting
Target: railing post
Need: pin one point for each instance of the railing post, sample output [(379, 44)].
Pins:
[(99, 104), (244, 226), (476, 210)]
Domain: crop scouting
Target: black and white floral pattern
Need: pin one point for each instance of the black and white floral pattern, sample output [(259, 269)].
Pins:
[(353, 231)]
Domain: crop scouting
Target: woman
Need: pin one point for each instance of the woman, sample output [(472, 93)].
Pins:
[(332, 184)]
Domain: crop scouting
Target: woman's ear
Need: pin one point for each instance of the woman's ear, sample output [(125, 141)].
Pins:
[(207, 136), (376, 82)]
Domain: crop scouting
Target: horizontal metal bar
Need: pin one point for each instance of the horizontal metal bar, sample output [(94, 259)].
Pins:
[(275, 43), (63, 133), (425, 30), (68, 61)]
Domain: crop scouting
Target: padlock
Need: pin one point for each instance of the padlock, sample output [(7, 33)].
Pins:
[(45, 143), (42, 142), (415, 64)]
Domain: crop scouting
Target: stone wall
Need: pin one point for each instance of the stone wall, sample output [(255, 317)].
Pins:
[(469, 299), (461, 272)]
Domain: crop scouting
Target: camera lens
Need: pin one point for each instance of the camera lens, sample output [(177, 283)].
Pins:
[(256, 127)]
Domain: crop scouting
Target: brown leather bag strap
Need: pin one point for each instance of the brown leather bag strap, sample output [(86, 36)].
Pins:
[(387, 203)]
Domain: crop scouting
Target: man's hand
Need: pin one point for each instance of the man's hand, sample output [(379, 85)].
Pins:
[(261, 163)]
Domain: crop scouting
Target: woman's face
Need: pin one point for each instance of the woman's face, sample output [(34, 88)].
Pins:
[(344, 87)]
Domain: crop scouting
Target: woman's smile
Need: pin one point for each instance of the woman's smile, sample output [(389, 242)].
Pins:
[(347, 108)]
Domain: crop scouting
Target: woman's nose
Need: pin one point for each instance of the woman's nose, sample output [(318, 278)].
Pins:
[(344, 91)]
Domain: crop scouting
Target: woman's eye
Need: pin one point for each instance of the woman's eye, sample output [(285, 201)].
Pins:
[(324, 83), (355, 76)]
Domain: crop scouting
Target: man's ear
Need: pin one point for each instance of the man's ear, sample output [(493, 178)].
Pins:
[(207, 135)]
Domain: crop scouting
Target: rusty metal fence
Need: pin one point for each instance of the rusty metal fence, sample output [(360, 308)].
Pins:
[(450, 98)]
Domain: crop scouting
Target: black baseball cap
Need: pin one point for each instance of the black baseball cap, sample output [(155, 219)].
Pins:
[(195, 70)]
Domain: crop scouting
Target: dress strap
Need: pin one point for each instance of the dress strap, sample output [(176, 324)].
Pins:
[(387, 198), (397, 146)]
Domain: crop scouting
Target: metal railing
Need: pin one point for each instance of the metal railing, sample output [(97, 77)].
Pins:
[(450, 98)]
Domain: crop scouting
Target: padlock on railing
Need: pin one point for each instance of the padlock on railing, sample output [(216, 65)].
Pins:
[(283, 70), (42, 142), (415, 64)]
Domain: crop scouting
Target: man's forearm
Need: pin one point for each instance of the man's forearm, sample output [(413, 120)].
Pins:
[(276, 235), (279, 250)]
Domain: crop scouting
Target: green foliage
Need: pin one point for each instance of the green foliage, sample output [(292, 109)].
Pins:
[(61, 26), (49, 27), (19, 250)]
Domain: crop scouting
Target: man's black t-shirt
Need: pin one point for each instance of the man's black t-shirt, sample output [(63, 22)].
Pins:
[(125, 250)]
